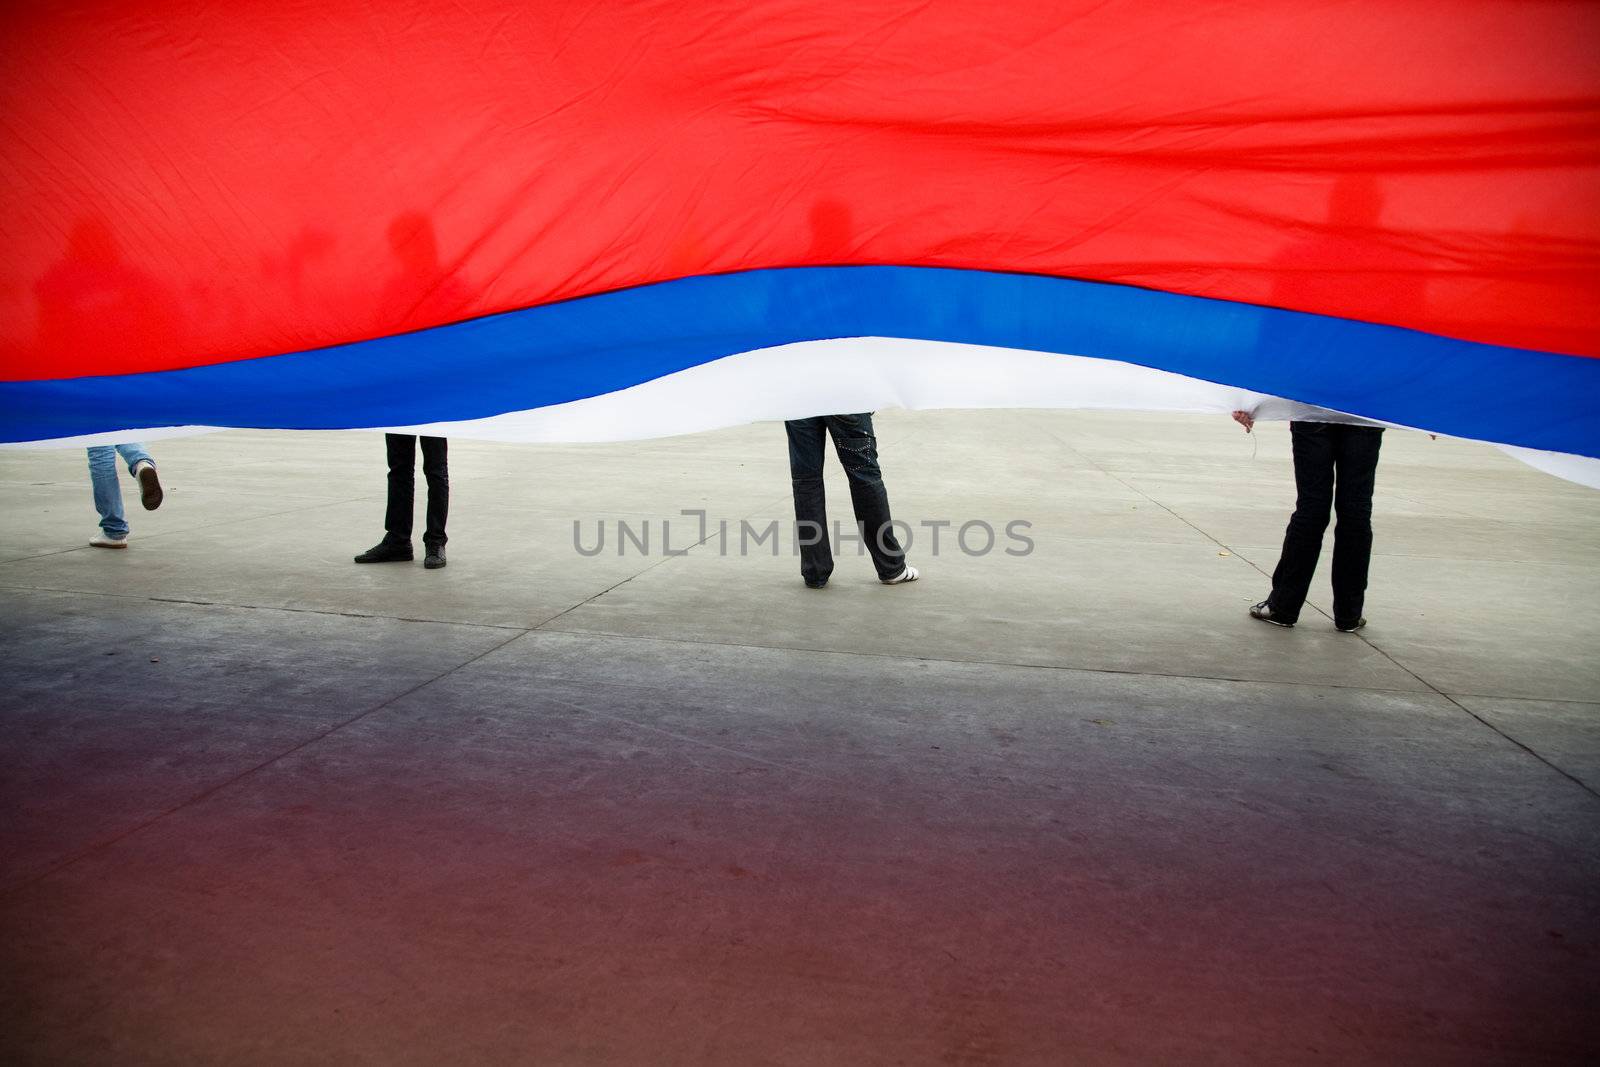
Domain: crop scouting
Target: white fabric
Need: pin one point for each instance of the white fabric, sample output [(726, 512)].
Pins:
[(869, 374), (1294, 411), (853, 374), (1580, 469)]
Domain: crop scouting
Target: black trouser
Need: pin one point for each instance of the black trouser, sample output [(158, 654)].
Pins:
[(1334, 465), (858, 454), (402, 491)]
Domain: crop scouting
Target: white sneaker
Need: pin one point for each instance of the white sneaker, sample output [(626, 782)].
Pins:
[(105, 540), (908, 575)]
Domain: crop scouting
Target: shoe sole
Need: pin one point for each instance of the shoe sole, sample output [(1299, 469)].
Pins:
[(150, 494), (441, 565), (97, 544), (397, 559)]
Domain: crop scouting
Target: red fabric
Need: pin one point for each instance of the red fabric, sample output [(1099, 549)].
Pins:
[(195, 183)]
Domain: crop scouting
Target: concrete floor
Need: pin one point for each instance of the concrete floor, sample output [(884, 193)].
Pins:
[(265, 806)]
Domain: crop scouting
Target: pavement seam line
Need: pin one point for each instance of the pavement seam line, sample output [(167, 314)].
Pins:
[(710, 643), (545, 627), (1579, 782), (1527, 700), (195, 529), (123, 835), (260, 607)]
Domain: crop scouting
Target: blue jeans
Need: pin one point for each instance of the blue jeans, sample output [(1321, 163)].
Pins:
[(107, 488)]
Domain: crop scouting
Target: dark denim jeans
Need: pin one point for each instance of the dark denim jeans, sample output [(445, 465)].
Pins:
[(402, 491), (1334, 466), (853, 440)]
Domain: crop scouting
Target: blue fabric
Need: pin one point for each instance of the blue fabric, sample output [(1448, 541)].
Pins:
[(556, 353)]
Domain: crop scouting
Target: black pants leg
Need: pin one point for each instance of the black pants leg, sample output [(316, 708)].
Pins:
[(857, 446), (402, 473), (1314, 459), (436, 468), (806, 437), (1356, 458)]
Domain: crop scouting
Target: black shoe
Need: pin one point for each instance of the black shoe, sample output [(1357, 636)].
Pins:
[(1264, 613), (816, 583), (1349, 626), (435, 558), (386, 552)]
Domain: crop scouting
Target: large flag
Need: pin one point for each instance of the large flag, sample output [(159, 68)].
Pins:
[(619, 218)]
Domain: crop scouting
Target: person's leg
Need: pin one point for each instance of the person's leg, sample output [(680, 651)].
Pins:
[(436, 468), (143, 469), (107, 491), (396, 544), (402, 488), (1357, 466), (810, 501), (133, 453), (1302, 541), (858, 454)]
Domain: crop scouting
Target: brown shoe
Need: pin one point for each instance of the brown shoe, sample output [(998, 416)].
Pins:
[(149, 487)]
